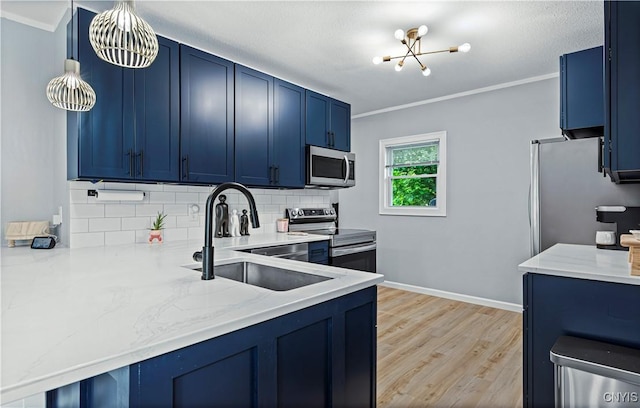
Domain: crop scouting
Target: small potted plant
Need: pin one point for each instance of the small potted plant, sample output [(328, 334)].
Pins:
[(156, 228)]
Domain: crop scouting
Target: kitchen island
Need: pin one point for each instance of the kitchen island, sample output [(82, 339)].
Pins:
[(73, 314), (580, 291)]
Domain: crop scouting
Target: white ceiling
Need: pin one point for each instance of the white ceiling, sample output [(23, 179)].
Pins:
[(327, 46)]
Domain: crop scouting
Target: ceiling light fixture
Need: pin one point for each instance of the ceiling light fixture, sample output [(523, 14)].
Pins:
[(412, 40), (69, 91), (120, 37)]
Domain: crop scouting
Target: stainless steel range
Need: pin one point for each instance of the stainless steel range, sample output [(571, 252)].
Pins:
[(348, 248)]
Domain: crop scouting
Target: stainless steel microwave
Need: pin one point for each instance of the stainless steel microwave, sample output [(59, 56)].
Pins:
[(330, 168)]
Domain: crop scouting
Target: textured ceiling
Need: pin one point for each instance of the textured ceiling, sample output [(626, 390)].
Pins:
[(328, 46)]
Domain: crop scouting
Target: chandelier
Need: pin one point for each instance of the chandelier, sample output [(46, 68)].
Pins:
[(412, 40), (69, 91), (120, 37)]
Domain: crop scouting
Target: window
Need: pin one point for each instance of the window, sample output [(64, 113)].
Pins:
[(413, 175)]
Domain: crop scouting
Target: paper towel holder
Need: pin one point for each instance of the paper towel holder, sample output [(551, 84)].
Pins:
[(117, 195)]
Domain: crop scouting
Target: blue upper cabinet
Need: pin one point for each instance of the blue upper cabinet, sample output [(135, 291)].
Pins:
[(328, 122), (206, 117), (101, 141), (582, 93), (132, 132), (253, 127), (157, 112), (288, 135), (622, 83)]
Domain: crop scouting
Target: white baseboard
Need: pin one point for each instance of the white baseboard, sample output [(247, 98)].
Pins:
[(513, 307)]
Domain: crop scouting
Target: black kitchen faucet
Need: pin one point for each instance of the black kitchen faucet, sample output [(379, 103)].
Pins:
[(206, 255)]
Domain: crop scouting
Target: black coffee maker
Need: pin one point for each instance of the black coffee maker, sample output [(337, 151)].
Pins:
[(625, 218)]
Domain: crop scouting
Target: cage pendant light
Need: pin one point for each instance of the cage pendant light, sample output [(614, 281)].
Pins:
[(120, 37), (69, 91)]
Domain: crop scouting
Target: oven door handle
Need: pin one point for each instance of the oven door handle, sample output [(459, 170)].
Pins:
[(352, 249)]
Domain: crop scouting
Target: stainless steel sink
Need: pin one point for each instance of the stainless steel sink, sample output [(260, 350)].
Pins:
[(266, 276)]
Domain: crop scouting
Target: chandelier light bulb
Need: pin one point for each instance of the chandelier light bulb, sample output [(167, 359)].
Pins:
[(422, 30), (464, 47), (399, 66), (399, 34), (426, 71), (123, 20), (377, 60)]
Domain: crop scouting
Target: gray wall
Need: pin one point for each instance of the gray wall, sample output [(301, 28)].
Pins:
[(476, 248), (33, 137)]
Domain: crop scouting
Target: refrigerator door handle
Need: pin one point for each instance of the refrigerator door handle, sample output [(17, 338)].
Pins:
[(534, 198)]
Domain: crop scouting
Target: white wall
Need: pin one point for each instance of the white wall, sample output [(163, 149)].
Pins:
[(476, 248), (32, 131)]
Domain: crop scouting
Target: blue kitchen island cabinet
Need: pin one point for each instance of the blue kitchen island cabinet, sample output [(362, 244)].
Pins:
[(582, 93), (622, 86), (132, 132), (206, 117), (320, 356), (556, 306), (328, 122)]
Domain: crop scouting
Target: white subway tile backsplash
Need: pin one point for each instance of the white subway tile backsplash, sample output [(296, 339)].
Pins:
[(161, 197), (187, 198), (82, 185), (278, 199), (148, 209), (95, 224), (135, 223), (79, 225), (175, 188), (187, 221), (78, 196), (262, 199), (118, 186), (119, 210), (176, 209), (86, 210), (119, 237), (104, 224), (196, 233), (89, 239), (170, 222), (149, 187)]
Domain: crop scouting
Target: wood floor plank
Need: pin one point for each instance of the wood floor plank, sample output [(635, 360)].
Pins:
[(435, 352)]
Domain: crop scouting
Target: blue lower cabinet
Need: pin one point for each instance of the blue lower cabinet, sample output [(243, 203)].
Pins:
[(319, 252), (558, 306), (321, 356)]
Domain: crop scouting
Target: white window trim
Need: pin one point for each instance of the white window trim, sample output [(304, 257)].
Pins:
[(440, 210)]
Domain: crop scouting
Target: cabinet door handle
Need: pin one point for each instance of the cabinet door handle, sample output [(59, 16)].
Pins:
[(141, 155), (277, 178), (185, 167), (600, 156), (130, 154), (329, 139), (333, 139)]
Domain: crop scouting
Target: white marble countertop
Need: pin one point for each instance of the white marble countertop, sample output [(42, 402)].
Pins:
[(70, 314), (583, 262)]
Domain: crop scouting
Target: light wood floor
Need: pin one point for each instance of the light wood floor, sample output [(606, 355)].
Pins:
[(435, 352)]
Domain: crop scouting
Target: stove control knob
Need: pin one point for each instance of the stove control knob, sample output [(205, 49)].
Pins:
[(326, 211), (293, 212), (298, 212), (333, 211)]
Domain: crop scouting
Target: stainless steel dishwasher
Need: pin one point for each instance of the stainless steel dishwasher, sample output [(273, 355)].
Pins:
[(298, 252)]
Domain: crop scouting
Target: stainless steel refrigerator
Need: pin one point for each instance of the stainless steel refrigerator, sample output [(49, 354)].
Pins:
[(565, 189)]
